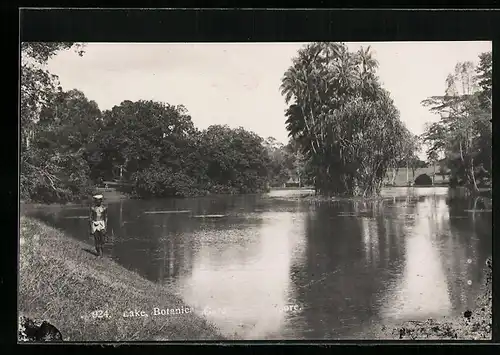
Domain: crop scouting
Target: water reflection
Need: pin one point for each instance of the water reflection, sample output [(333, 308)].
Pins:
[(421, 291), (470, 226), (340, 291), (348, 264), (249, 278)]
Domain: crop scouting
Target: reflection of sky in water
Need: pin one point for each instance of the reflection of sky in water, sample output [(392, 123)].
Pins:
[(370, 240), (253, 287), (414, 191), (289, 193), (340, 264), (422, 290)]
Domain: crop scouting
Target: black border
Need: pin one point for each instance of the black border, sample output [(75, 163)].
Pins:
[(238, 26), (256, 25)]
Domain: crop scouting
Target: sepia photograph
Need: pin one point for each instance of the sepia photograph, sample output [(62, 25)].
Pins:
[(255, 191)]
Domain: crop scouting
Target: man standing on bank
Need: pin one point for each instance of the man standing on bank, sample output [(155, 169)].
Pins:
[(98, 223)]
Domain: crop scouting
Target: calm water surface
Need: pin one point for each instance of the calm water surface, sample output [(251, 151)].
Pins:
[(347, 265)]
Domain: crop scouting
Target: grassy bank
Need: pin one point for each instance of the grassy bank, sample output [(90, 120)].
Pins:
[(62, 282), (474, 324)]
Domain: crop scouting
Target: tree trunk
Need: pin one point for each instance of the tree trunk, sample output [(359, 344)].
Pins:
[(464, 165), (28, 135), (407, 174), (394, 175), (434, 174), (468, 165), (476, 189)]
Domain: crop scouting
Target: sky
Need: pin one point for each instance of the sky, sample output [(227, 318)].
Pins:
[(238, 83)]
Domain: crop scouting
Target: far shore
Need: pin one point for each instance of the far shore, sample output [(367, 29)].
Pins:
[(113, 195)]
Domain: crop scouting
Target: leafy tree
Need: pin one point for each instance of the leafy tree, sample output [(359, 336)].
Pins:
[(406, 155), (65, 112), (345, 123), (463, 133), (413, 164), (156, 147), (442, 170), (159, 181), (279, 158), (37, 83), (53, 167), (237, 159), (484, 123), (485, 78), (433, 158), (139, 134)]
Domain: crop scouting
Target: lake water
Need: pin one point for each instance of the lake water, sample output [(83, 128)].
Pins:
[(276, 267)]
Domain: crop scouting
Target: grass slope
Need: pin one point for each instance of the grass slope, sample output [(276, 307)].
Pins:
[(62, 283)]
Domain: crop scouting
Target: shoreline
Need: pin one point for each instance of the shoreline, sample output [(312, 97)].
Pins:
[(112, 195), (87, 298)]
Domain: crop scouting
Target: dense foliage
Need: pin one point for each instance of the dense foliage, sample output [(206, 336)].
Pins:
[(53, 152), (345, 134), (345, 123), (287, 164), (464, 132), (69, 146)]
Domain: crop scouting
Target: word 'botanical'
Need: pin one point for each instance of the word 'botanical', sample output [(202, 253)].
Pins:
[(171, 311)]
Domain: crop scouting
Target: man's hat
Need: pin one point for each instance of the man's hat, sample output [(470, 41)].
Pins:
[(97, 197)]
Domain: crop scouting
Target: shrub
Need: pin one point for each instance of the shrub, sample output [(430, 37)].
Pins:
[(159, 181)]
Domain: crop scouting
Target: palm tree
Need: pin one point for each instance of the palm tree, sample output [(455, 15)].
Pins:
[(368, 65), (322, 75), (328, 88)]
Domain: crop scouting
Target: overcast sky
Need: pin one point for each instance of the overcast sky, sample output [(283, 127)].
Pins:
[(238, 83)]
